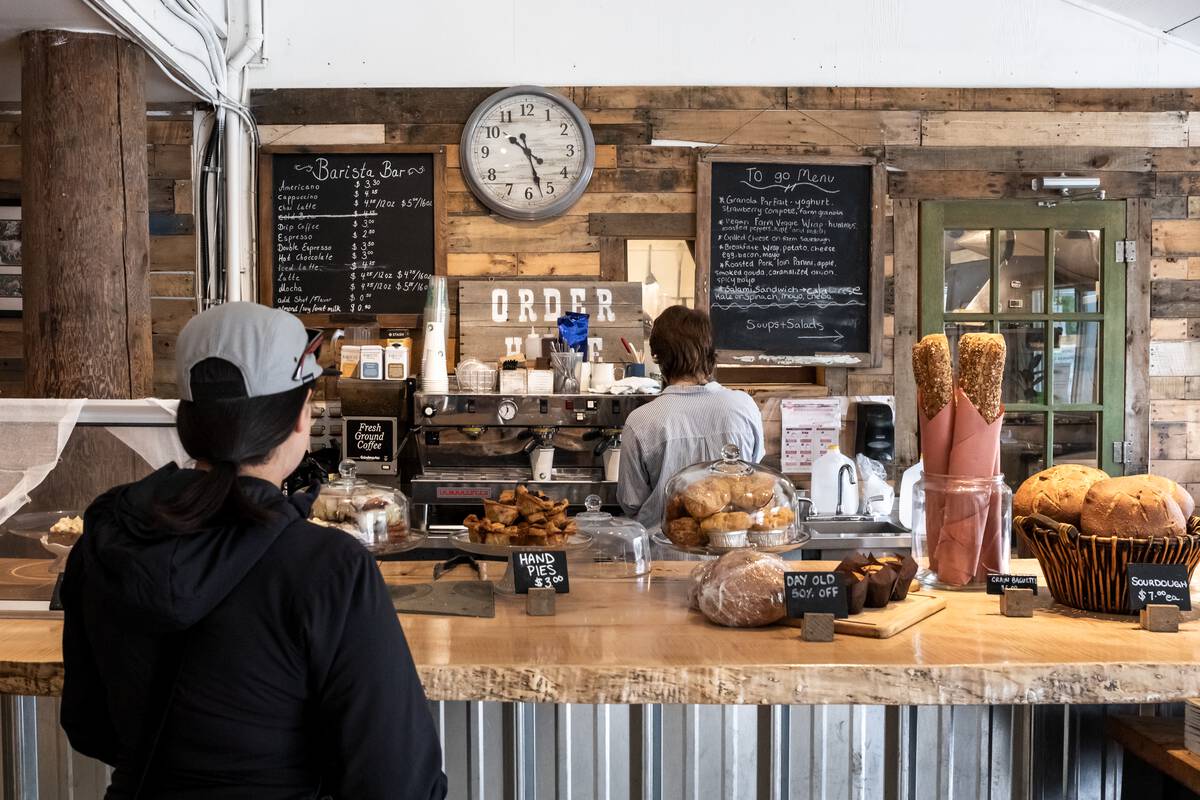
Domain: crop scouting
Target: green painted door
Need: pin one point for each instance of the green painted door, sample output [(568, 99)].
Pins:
[(1048, 280)]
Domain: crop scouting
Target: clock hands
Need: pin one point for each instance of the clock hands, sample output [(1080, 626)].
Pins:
[(537, 181)]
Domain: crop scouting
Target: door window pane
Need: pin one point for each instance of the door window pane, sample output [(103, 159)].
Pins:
[(1022, 272), (1076, 350), (1076, 271), (968, 271), (955, 330), (1075, 440), (1022, 446), (1024, 362)]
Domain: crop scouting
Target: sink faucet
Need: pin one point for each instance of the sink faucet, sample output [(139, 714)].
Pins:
[(848, 471)]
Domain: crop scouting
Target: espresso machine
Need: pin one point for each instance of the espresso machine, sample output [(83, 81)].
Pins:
[(473, 446)]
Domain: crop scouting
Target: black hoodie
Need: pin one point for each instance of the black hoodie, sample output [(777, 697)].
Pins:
[(294, 671)]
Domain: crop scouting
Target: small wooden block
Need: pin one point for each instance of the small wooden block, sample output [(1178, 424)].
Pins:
[(1160, 618), (817, 628), (1016, 602), (540, 602)]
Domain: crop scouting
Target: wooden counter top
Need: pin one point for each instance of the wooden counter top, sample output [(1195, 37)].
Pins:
[(624, 642)]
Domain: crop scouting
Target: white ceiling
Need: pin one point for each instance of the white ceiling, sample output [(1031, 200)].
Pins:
[(18, 16), (1179, 18)]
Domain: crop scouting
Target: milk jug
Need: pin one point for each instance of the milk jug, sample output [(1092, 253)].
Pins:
[(825, 483)]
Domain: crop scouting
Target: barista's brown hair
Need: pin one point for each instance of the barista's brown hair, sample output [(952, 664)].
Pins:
[(681, 342)]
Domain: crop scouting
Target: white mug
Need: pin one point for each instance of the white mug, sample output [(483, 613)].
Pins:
[(602, 376)]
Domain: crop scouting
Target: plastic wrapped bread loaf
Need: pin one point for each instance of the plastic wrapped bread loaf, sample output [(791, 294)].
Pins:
[(743, 589)]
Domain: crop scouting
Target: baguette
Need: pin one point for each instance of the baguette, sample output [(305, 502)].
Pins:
[(981, 372), (934, 376)]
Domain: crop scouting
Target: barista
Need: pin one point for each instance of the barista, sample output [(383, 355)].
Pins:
[(693, 419)]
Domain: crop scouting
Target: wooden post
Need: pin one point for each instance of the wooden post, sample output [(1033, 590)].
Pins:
[(85, 226)]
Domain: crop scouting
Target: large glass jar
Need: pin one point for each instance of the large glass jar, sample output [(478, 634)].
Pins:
[(962, 530), (620, 546), (375, 515), (729, 503)]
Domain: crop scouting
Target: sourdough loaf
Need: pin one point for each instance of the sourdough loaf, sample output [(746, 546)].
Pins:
[(1057, 492), (1133, 506)]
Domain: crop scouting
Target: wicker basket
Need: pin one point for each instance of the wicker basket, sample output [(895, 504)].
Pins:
[(1091, 572)]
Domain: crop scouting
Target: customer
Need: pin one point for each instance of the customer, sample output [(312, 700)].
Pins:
[(219, 646), (692, 421)]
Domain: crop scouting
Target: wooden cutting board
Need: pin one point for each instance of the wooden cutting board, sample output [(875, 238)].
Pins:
[(883, 623)]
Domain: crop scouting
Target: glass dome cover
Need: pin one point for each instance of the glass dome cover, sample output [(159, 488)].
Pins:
[(375, 515), (620, 546), (729, 503)]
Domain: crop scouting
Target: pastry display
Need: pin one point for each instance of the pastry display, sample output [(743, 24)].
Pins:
[(1137, 506), (728, 504), (370, 518), (375, 515), (1057, 492), (522, 518), (743, 589)]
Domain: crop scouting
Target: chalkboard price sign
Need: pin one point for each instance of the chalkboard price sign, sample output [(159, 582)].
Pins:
[(543, 569), (998, 582), (786, 260), (1159, 584), (351, 232), (814, 593)]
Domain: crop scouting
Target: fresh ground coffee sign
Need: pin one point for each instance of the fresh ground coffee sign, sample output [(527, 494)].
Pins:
[(495, 317)]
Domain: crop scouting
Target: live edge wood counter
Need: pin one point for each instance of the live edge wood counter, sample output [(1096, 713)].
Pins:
[(624, 642)]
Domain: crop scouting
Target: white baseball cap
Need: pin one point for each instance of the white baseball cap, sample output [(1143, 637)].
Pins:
[(271, 349)]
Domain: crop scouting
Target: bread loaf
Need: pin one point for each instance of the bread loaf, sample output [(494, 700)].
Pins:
[(933, 373), (1131, 506), (744, 589), (1057, 492), (981, 372), (1186, 504)]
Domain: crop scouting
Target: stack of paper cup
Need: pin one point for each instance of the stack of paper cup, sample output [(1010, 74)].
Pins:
[(434, 377)]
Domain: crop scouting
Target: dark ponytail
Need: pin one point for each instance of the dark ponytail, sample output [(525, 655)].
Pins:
[(226, 434)]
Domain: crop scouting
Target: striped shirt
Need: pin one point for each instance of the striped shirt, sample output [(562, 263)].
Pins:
[(683, 426)]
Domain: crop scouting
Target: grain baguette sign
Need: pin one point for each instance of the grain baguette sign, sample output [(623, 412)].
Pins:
[(788, 259), (351, 232), (494, 317)]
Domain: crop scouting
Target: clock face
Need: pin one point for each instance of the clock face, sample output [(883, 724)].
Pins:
[(527, 153)]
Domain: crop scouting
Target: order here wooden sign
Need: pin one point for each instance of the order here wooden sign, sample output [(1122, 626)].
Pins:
[(494, 317)]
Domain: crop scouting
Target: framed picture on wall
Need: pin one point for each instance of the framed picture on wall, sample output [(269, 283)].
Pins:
[(10, 261)]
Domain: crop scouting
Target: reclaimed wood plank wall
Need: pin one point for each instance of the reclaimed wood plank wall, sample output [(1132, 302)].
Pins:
[(172, 239), (1144, 144)]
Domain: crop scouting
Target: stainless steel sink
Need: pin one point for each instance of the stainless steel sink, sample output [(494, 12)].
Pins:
[(854, 527), (857, 534)]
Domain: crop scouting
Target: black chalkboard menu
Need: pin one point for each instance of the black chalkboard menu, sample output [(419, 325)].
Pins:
[(786, 259), (351, 233)]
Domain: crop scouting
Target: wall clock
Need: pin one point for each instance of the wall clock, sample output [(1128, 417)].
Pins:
[(527, 153)]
